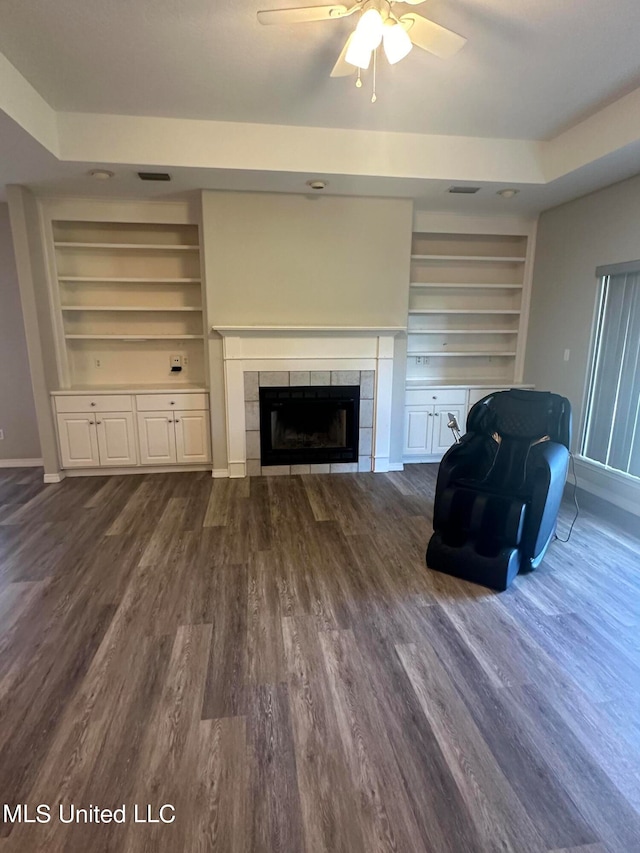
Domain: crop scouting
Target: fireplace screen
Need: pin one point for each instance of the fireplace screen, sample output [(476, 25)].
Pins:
[(309, 424)]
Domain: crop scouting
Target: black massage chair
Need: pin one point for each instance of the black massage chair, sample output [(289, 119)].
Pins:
[(499, 489)]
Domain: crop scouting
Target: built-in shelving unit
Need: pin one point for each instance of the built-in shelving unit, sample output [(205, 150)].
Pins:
[(465, 304), (130, 297)]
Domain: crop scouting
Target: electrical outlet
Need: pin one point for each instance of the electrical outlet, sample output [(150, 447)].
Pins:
[(175, 360), (1, 435), (567, 353), (97, 362), (185, 360)]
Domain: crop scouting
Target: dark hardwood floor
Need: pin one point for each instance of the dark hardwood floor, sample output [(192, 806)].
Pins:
[(271, 657)]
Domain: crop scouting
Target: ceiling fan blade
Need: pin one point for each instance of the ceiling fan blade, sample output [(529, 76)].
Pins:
[(342, 68), (431, 36), (304, 14)]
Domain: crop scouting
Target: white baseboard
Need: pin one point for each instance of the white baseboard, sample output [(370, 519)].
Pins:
[(21, 463), (237, 470), (54, 478), (396, 466), (146, 469), (220, 473)]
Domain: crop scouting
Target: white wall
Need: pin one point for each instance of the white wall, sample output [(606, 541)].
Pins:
[(17, 410), (574, 239), (278, 259)]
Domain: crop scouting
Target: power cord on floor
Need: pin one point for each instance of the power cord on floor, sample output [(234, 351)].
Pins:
[(575, 501)]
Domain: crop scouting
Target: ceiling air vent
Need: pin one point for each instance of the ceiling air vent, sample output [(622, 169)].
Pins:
[(154, 176), (463, 190)]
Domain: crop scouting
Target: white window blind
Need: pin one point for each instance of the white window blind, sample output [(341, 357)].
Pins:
[(612, 426)]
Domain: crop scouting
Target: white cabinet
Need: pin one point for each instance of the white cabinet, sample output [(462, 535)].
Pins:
[(78, 440), (442, 435), (426, 419), (122, 430), (426, 430), (192, 437), (157, 438), (116, 439), (175, 436), (89, 440)]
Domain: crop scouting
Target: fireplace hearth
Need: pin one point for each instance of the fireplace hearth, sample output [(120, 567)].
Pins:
[(309, 424)]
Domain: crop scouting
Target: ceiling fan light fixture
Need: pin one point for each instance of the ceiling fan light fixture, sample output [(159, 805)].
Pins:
[(358, 53), (396, 42), (370, 28)]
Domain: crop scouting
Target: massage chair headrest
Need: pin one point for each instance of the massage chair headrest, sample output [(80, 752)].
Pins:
[(524, 414)]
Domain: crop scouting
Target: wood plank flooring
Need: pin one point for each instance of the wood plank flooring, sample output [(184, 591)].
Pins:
[(272, 658)]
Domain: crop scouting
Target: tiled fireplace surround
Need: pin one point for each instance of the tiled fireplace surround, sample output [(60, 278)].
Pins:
[(253, 380), (281, 356)]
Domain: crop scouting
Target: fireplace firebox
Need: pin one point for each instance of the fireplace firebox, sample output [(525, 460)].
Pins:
[(309, 424)]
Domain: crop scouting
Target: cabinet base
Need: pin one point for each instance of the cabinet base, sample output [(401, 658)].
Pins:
[(140, 469)]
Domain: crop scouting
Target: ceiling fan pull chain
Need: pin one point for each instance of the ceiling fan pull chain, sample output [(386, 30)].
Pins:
[(374, 97)]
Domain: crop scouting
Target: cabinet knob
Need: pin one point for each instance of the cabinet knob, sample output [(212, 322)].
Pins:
[(177, 421), (434, 397), (98, 422), (90, 423), (93, 404), (172, 403)]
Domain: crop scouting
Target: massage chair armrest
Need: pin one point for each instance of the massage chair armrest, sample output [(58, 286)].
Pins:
[(548, 475)]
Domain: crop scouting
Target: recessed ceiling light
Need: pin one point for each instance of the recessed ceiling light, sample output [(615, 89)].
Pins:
[(101, 174), (317, 184), (508, 193)]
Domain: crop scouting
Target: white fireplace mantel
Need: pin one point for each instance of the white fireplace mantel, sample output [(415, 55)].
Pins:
[(289, 348)]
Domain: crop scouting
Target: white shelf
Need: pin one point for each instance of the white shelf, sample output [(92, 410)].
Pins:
[(475, 258), (464, 311), (126, 308), (178, 247), (417, 383), (134, 337), (462, 331), (466, 280), (464, 286), (92, 279), (473, 354)]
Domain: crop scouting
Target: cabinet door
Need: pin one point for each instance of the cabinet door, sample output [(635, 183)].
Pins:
[(116, 439), (156, 431), (78, 441), (418, 429), (192, 437), (442, 435)]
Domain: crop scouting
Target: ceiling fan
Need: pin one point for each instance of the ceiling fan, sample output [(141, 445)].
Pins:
[(378, 22)]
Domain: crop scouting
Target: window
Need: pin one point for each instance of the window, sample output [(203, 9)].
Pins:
[(612, 426)]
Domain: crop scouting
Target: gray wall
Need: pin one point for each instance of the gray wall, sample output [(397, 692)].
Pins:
[(574, 239), (17, 410)]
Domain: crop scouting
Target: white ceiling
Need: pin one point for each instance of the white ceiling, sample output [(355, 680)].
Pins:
[(530, 70)]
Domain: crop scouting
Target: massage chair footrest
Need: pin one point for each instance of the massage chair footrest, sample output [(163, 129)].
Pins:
[(464, 561)]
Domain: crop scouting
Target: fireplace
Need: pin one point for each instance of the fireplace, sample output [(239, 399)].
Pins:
[(309, 424)]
